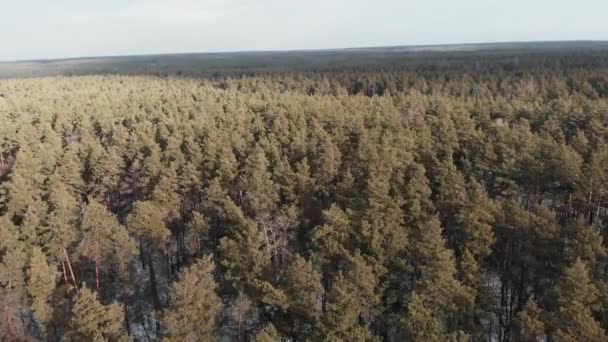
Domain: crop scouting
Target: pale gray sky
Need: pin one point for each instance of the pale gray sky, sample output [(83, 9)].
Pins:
[(35, 29)]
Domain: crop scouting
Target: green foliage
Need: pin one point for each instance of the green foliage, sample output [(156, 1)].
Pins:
[(41, 284), (574, 320), (420, 324), (455, 197), (104, 239), (351, 303), (304, 290), (195, 306), (147, 222), (530, 322), (268, 334), (93, 321)]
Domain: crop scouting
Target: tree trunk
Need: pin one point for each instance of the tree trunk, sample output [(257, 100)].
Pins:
[(153, 284), (97, 261), (97, 272), (127, 323), (67, 259)]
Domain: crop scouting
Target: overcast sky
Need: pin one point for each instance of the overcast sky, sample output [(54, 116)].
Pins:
[(35, 29)]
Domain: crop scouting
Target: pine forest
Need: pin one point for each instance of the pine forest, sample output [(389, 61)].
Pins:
[(457, 198)]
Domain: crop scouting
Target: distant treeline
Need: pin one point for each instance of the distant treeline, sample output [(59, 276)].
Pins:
[(493, 57)]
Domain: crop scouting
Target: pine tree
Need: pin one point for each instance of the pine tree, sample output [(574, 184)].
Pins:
[(326, 158), (12, 279), (420, 324), (240, 313), (383, 233), (351, 303), (165, 195), (147, 222), (417, 195), (194, 308), (197, 233), (331, 241), (475, 220), (104, 169), (25, 182), (69, 171), (243, 255), (33, 227), (302, 285), (343, 310), (93, 321), (574, 320), (40, 285), (151, 165), (437, 285), (104, 240), (530, 322), (261, 193), (61, 228), (268, 334)]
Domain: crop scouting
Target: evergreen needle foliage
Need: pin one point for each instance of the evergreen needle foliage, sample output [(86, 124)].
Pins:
[(449, 203)]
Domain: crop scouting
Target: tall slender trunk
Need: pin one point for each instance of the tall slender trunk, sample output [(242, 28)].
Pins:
[(127, 323), (67, 259), (153, 284), (65, 273), (97, 261), (589, 199), (97, 272), (597, 213), (142, 255)]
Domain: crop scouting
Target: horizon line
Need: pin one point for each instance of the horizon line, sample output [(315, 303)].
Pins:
[(245, 51)]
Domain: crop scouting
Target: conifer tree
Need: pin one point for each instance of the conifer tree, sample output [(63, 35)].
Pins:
[(41, 284), (197, 233), (574, 320), (69, 170), (61, 223), (32, 227), (437, 284), (147, 222), (352, 303), (383, 232), (268, 334), (165, 195), (12, 279), (104, 169), (475, 220), (104, 240), (260, 191), (343, 311), (302, 284), (93, 321), (420, 324), (194, 307), (530, 322), (327, 158), (331, 241)]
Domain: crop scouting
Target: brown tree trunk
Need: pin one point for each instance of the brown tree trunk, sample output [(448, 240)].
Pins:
[(97, 273), (67, 259), (97, 261)]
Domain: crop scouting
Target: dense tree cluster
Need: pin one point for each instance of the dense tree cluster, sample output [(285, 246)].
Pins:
[(346, 206)]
